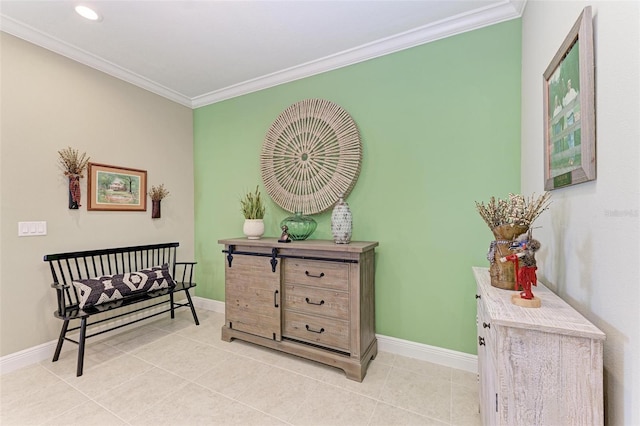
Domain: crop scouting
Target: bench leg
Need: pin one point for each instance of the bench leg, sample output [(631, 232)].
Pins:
[(63, 333), (193, 310), (171, 303), (81, 340)]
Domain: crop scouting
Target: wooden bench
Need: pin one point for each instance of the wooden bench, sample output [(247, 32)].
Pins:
[(122, 277)]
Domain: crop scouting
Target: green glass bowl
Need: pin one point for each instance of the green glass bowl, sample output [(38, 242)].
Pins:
[(299, 227)]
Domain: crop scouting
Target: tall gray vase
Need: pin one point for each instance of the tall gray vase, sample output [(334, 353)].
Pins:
[(341, 222)]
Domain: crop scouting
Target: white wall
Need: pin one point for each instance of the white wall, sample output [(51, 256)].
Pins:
[(48, 103), (590, 236)]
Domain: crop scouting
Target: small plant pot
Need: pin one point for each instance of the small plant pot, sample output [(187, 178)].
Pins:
[(253, 228)]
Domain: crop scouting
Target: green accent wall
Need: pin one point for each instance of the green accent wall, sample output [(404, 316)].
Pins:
[(440, 129)]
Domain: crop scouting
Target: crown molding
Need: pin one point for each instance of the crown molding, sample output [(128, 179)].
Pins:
[(505, 11), (494, 14), (32, 35)]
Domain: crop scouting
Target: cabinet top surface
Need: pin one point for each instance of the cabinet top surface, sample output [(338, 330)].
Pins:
[(325, 245), (554, 316)]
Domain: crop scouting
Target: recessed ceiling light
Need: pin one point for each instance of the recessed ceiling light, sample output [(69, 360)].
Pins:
[(88, 13)]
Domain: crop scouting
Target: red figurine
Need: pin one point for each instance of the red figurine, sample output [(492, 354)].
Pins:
[(525, 274)]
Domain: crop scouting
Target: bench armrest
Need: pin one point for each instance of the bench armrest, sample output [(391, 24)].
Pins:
[(187, 271), (59, 286)]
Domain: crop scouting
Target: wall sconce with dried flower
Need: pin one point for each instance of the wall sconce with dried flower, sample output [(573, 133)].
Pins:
[(157, 193), (73, 165)]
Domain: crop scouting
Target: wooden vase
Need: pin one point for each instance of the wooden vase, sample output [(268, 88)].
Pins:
[(155, 209), (74, 192), (503, 273)]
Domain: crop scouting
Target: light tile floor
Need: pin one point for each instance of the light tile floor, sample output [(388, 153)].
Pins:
[(170, 372)]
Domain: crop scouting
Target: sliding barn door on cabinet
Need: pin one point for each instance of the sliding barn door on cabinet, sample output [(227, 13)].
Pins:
[(252, 296)]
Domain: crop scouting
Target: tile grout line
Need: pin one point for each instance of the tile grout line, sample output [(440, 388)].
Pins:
[(379, 399), (92, 399)]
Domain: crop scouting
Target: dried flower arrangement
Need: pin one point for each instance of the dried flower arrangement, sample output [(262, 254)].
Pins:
[(252, 205), (159, 192), (516, 210), (71, 163), (508, 219)]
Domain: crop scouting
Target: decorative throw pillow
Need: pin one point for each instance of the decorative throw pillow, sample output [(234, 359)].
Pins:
[(108, 288)]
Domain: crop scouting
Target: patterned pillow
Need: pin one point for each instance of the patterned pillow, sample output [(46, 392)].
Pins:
[(108, 288)]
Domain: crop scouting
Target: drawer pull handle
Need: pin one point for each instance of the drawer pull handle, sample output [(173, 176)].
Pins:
[(481, 341), (275, 299), (314, 331), (314, 276), (485, 325), (314, 303)]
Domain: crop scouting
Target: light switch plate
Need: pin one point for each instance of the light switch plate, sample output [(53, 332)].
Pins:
[(32, 229)]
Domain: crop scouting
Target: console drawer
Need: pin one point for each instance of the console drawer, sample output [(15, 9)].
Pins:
[(317, 273), (317, 301), (323, 331)]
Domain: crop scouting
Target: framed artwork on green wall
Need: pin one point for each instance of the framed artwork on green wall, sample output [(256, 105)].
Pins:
[(569, 110)]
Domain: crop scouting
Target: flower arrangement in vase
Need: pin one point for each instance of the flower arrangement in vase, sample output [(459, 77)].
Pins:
[(507, 219), (157, 193), (73, 165), (253, 210)]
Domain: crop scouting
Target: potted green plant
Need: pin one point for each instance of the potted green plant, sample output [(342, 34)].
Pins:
[(253, 209)]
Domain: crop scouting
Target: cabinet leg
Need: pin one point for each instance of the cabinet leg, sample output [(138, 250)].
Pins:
[(357, 371), (225, 334)]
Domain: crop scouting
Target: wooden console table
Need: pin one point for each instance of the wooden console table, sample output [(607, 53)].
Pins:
[(313, 298), (537, 366)]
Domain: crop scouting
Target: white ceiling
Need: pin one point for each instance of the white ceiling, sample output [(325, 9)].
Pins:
[(200, 52)]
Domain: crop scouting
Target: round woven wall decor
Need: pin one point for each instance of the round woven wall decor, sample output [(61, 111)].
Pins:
[(311, 156)]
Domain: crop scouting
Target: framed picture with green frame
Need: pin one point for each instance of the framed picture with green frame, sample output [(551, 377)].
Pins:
[(569, 109)]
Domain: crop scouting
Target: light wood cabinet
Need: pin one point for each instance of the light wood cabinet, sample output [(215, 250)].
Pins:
[(537, 366), (313, 299)]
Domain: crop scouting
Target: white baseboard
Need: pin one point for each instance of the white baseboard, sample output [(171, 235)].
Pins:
[(441, 356), (446, 357), (208, 304), (27, 357)]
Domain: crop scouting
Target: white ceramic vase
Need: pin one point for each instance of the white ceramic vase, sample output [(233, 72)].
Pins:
[(253, 228), (341, 222)]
